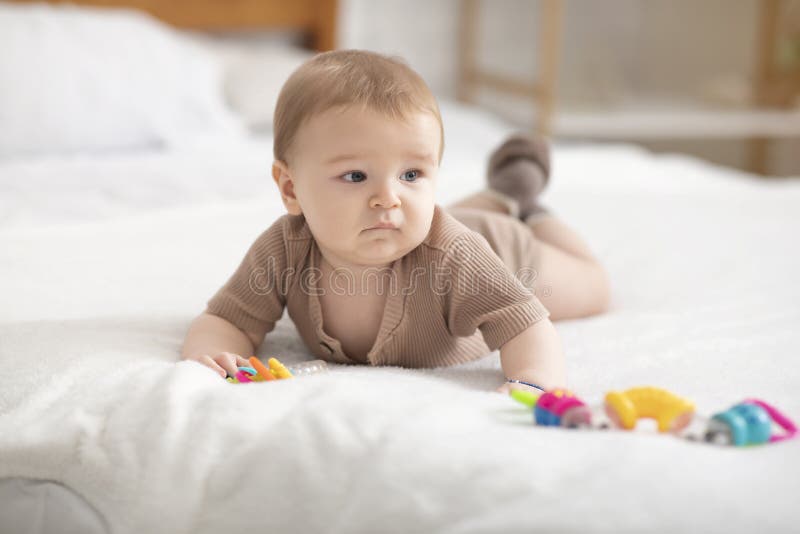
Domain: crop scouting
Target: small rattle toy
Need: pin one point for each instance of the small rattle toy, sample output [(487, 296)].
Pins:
[(626, 407), (274, 370), (749, 422), (558, 407)]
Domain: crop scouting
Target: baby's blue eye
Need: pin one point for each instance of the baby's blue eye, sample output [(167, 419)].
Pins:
[(415, 173), (358, 176)]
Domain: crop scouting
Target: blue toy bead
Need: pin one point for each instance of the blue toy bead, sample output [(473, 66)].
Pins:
[(750, 424), (758, 420), (249, 370), (545, 417)]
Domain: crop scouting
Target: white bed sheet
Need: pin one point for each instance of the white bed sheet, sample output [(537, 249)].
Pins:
[(104, 262)]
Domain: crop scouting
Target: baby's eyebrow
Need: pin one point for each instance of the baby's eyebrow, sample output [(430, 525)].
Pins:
[(428, 158), (343, 157)]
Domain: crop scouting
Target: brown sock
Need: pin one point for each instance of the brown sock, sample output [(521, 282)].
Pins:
[(520, 168)]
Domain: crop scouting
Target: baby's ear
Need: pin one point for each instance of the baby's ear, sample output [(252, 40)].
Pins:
[(283, 178)]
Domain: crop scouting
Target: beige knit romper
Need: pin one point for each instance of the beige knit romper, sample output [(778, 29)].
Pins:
[(458, 295)]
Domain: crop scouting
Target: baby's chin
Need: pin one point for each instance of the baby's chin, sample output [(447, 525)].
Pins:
[(381, 253)]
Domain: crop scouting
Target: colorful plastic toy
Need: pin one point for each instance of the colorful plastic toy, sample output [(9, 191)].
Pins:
[(276, 370), (669, 410), (749, 422), (555, 408)]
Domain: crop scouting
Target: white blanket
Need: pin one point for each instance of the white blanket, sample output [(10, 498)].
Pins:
[(703, 264)]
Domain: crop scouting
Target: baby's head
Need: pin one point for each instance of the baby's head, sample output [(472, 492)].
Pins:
[(358, 141)]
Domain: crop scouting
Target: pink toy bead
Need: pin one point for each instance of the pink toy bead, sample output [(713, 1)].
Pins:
[(241, 376), (564, 404)]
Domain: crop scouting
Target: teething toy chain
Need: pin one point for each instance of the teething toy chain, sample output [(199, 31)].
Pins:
[(274, 370), (749, 422)]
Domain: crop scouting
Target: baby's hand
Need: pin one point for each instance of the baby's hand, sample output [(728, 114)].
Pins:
[(224, 363)]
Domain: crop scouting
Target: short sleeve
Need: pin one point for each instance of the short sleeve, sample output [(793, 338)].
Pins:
[(254, 297), (483, 293)]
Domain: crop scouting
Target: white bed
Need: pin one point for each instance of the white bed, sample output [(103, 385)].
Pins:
[(105, 259)]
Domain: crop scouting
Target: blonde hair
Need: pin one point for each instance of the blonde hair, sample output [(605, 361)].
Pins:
[(385, 84)]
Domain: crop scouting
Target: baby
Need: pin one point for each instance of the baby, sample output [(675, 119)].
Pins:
[(371, 269)]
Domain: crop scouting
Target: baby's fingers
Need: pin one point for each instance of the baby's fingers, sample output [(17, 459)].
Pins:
[(209, 361), (231, 362)]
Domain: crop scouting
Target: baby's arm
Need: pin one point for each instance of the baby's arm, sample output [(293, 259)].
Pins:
[(534, 356), (220, 345), (510, 317), (244, 310)]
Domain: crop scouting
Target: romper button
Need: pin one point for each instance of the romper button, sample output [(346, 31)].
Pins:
[(326, 347)]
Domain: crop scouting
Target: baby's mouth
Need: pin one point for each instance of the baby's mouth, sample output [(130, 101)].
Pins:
[(383, 226)]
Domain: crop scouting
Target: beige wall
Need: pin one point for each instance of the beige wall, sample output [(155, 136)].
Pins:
[(613, 50), (610, 46)]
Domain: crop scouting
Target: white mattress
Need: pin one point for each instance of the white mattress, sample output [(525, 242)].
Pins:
[(104, 261)]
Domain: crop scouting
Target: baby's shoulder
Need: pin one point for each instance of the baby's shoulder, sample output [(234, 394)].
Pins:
[(448, 236), (287, 238), (285, 228)]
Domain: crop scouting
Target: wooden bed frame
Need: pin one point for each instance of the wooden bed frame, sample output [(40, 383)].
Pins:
[(316, 19), (542, 92)]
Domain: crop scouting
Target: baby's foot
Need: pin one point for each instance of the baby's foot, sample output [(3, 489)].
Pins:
[(520, 168)]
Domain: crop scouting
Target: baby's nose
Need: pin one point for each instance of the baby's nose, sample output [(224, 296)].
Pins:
[(385, 196)]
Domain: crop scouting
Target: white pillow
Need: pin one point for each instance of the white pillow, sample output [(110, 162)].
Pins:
[(254, 75), (75, 79), (254, 81)]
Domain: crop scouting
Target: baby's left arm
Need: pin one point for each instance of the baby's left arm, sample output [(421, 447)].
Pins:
[(485, 294), (535, 356)]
